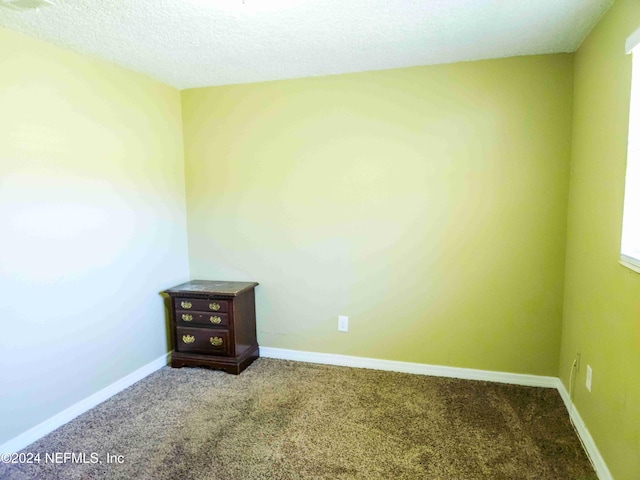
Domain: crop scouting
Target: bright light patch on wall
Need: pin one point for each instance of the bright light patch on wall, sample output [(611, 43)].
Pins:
[(630, 245), (253, 6)]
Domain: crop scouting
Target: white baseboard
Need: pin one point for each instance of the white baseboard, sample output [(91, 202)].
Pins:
[(27, 438), (587, 440), (454, 372), (407, 367)]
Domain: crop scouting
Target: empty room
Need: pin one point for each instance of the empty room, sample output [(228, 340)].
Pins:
[(313, 239)]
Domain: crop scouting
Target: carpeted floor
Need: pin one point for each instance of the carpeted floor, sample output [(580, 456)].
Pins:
[(282, 420)]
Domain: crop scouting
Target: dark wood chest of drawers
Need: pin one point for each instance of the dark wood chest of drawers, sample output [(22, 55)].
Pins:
[(213, 324)]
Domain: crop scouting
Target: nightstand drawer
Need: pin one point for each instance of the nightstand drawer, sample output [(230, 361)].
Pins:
[(202, 340), (202, 305), (185, 318)]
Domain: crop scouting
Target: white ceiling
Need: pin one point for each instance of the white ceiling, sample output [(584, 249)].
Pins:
[(195, 43)]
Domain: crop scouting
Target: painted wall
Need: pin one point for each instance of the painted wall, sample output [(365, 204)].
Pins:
[(602, 299), (93, 225), (427, 204)]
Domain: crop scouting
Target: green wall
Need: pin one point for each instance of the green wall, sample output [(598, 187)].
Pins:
[(602, 298), (93, 216), (427, 204)]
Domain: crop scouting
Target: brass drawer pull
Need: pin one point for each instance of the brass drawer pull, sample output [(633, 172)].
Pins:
[(186, 305), (215, 341), (214, 306), (186, 317), (215, 319), (188, 338)]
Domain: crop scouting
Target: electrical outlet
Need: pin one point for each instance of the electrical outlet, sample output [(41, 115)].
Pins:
[(343, 323), (589, 375)]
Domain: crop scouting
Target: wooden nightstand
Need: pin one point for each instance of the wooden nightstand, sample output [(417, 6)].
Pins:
[(213, 324)]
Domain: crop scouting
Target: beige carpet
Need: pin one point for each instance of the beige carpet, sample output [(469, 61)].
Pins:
[(287, 420)]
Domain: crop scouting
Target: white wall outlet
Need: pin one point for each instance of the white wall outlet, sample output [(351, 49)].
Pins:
[(343, 323), (589, 375)]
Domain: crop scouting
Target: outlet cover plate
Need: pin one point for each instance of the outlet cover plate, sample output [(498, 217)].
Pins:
[(343, 323)]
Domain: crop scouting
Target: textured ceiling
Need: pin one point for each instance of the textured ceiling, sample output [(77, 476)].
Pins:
[(195, 43)]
